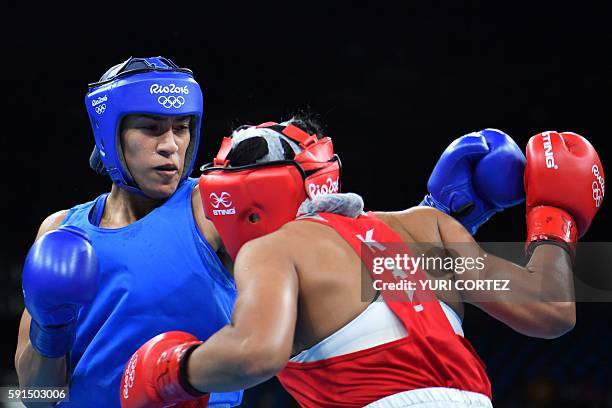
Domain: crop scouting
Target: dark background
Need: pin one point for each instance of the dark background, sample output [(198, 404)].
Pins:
[(394, 83)]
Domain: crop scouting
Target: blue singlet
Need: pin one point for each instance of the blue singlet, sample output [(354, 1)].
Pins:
[(158, 274)]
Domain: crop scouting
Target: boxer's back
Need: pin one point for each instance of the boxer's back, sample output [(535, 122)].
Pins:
[(333, 288)]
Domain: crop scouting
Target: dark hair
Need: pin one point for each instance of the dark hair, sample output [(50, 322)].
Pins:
[(308, 122), (248, 151)]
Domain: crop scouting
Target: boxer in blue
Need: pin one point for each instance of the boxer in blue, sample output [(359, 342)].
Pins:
[(107, 275)]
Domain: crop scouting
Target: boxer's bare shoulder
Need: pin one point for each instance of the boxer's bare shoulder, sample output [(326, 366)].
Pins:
[(312, 235), (310, 246), (52, 222), (317, 248), (206, 227), (416, 224)]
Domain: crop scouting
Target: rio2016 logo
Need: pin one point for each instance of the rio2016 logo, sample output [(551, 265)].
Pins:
[(329, 187), (99, 105), (169, 101), (168, 89), (599, 186), (99, 100)]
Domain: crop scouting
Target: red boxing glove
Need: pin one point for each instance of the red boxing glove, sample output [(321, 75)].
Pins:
[(152, 378), (564, 185)]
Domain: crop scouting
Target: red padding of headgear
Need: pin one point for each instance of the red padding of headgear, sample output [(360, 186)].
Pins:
[(321, 152), (221, 158), (326, 180), (296, 134), (249, 203)]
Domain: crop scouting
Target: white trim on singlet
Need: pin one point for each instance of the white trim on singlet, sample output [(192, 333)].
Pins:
[(376, 325), (453, 318), (434, 397)]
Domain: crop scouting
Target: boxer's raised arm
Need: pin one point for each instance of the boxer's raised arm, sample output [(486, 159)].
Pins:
[(527, 305)]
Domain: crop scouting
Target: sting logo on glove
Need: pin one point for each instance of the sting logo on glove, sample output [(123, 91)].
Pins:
[(548, 151)]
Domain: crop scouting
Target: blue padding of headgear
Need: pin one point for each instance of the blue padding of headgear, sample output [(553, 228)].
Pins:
[(149, 86)]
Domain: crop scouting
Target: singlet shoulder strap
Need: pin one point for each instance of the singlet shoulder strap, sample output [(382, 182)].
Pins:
[(96, 212)]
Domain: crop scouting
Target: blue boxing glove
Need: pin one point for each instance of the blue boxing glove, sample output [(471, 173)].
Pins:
[(60, 275), (478, 175)]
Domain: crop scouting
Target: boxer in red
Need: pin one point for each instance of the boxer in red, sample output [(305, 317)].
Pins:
[(301, 313)]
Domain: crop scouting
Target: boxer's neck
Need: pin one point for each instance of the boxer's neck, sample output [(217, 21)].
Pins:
[(123, 208)]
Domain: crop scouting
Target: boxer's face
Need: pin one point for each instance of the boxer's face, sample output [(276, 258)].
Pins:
[(154, 149)]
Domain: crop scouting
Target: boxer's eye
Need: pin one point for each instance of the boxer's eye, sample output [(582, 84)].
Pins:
[(181, 128)]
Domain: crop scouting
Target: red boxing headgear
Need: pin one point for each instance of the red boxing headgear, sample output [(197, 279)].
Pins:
[(249, 201)]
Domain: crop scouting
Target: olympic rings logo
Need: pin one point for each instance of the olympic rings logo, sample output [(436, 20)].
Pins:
[(130, 372), (171, 101), (100, 109), (597, 196)]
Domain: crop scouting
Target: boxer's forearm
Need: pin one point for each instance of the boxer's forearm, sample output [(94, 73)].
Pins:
[(34, 370), (545, 320), (229, 361), (539, 300)]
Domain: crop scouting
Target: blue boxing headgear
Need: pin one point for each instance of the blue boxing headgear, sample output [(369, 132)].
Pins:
[(147, 86)]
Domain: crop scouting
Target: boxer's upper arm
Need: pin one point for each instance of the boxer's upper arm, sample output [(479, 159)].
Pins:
[(455, 237), (459, 243), (50, 223), (266, 308)]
